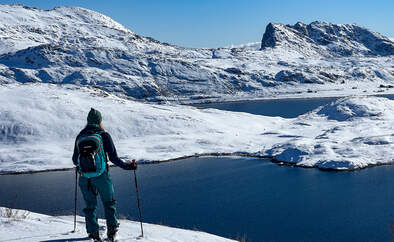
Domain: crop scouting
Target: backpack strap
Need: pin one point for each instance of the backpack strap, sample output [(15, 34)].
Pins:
[(105, 153)]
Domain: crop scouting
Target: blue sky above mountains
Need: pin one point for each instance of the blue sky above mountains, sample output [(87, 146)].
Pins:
[(219, 23)]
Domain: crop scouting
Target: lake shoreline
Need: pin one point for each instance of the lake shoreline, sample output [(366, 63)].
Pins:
[(222, 100), (272, 159)]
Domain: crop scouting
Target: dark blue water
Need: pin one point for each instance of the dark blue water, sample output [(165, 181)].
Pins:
[(233, 197), (285, 108)]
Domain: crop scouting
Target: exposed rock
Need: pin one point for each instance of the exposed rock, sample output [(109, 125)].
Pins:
[(327, 39)]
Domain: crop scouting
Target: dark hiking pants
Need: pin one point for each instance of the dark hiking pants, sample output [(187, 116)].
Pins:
[(90, 189)]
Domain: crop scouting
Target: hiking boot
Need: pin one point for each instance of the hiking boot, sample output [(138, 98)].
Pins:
[(111, 233), (95, 236)]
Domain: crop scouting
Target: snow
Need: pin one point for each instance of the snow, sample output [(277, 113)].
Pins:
[(56, 64), (22, 226), (40, 122), (249, 46), (350, 133), (70, 45)]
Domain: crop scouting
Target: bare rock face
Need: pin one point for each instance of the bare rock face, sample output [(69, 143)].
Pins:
[(327, 39)]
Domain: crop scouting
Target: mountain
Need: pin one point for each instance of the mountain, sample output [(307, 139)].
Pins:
[(249, 46), (327, 39), (72, 45)]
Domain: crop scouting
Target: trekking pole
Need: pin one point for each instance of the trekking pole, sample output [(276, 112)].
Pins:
[(138, 201), (75, 199)]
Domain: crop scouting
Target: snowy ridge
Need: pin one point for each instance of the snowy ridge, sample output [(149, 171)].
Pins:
[(23, 227), (23, 27), (248, 46), (327, 39), (39, 124), (70, 45)]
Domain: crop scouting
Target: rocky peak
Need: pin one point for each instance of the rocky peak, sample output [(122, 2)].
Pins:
[(327, 39)]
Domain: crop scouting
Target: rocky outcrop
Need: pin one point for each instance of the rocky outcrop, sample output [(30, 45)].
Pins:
[(327, 39)]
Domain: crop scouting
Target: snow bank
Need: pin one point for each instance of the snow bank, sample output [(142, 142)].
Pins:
[(356, 107), (39, 123), (350, 133), (23, 226)]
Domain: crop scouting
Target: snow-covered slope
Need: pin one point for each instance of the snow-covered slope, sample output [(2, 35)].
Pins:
[(39, 124), (327, 39), (350, 133), (23, 27), (71, 45), (21, 225), (248, 46)]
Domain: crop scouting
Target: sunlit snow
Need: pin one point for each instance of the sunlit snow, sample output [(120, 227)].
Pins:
[(21, 225), (40, 122)]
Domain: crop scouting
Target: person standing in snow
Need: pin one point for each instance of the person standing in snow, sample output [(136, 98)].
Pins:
[(94, 177)]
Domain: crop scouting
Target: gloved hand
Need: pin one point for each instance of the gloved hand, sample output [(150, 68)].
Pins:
[(131, 166)]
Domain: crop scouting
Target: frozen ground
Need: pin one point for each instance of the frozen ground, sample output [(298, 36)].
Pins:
[(22, 226), (39, 124)]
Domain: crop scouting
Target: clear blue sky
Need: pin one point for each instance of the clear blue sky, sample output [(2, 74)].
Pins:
[(218, 23)]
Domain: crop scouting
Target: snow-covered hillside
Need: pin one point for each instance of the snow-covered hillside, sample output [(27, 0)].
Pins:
[(248, 46), (71, 45), (92, 61), (21, 225), (39, 124), (327, 39), (351, 133)]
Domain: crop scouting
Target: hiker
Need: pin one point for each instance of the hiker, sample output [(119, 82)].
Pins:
[(93, 147)]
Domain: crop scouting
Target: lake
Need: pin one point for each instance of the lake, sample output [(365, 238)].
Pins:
[(235, 197), (285, 108), (232, 197)]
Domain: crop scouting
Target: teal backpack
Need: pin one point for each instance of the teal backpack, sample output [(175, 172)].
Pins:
[(92, 160)]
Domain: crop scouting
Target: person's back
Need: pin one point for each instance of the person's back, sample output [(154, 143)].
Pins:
[(94, 182)]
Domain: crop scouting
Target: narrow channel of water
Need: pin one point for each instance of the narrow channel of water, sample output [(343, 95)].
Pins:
[(233, 197), (285, 108)]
